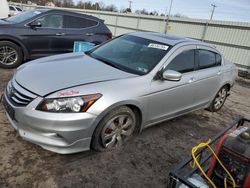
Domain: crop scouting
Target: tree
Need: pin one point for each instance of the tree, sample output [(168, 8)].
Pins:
[(125, 10), (128, 10), (68, 3), (58, 3), (88, 5), (101, 5), (143, 11), (155, 13), (178, 15), (111, 8), (97, 6), (39, 2), (80, 5)]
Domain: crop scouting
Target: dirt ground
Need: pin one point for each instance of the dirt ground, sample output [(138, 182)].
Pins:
[(144, 161)]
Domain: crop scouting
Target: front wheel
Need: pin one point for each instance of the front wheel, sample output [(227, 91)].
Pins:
[(115, 128), (219, 99), (11, 55)]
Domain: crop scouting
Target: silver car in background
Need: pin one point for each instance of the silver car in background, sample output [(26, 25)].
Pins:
[(77, 101), (14, 10)]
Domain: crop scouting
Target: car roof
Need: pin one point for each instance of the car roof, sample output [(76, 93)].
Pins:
[(165, 38)]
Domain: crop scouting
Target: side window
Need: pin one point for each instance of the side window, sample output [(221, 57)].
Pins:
[(18, 9), (218, 59), (77, 22), (51, 21), (184, 62), (206, 59), (11, 8)]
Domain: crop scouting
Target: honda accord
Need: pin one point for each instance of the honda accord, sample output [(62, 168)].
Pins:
[(98, 99)]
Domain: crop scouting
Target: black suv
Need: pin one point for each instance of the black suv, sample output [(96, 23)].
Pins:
[(43, 32)]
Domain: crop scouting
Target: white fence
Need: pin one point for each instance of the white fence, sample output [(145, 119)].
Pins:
[(231, 38)]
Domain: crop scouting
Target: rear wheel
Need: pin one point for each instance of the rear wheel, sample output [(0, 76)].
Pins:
[(115, 128), (11, 55), (219, 99)]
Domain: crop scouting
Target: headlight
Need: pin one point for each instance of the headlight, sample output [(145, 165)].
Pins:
[(69, 104)]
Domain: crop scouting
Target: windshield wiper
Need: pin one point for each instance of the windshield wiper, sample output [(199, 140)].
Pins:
[(105, 61), (109, 63)]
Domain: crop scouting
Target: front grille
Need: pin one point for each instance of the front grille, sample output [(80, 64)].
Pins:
[(18, 95)]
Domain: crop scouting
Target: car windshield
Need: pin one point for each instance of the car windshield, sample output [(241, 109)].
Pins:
[(131, 54), (24, 16)]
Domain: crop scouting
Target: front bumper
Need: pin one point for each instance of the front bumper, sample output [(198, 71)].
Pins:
[(58, 132)]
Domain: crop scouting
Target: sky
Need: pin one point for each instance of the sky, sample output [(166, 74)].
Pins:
[(230, 10)]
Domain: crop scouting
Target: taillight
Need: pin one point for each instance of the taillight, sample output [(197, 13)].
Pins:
[(109, 35)]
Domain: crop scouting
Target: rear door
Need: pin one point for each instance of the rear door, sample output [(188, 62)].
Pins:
[(79, 29), (170, 98), (49, 38), (208, 74)]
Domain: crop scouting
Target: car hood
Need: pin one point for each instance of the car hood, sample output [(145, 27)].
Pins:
[(3, 22), (50, 74)]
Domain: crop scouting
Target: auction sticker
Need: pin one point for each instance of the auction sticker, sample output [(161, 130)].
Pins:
[(37, 12), (158, 46)]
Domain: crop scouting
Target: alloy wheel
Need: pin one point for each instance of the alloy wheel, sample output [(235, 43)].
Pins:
[(8, 55), (220, 98), (116, 130)]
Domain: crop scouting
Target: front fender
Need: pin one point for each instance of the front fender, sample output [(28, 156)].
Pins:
[(141, 107)]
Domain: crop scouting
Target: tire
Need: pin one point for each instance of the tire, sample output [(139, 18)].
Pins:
[(219, 99), (11, 55), (115, 128)]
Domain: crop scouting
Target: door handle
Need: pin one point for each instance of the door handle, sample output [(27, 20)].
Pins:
[(191, 80), (219, 72), (89, 34), (60, 34)]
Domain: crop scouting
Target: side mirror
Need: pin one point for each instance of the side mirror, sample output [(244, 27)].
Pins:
[(171, 75), (35, 24)]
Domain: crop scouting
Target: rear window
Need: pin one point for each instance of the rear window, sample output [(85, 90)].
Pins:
[(77, 22), (206, 59)]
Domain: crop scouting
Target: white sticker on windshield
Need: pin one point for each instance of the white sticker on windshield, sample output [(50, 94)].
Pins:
[(37, 12), (158, 46), (142, 69)]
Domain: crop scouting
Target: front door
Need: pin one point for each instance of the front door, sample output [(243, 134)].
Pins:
[(170, 98), (48, 38)]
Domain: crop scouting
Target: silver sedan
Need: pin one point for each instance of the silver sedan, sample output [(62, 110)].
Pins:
[(98, 99)]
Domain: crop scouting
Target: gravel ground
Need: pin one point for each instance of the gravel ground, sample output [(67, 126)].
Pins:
[(144, 161)]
